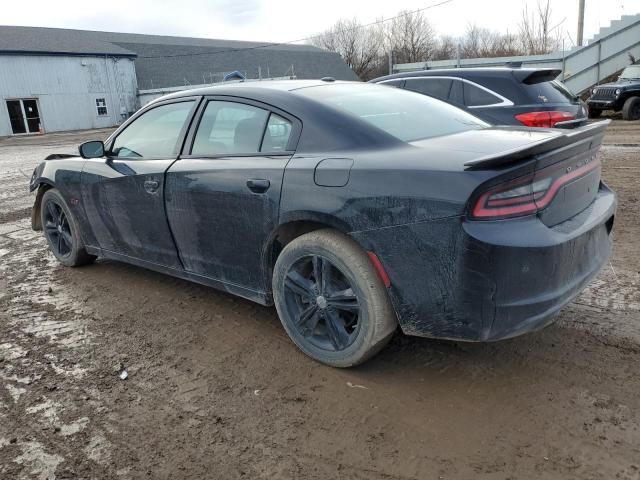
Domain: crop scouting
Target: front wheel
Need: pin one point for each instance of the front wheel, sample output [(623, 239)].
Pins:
[(61, 231), (330, 299), (631, 109)]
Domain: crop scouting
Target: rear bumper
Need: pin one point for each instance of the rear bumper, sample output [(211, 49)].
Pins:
[(485, 281)]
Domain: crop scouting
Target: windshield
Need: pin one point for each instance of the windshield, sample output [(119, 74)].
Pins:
[(406, 115), (631, 72)]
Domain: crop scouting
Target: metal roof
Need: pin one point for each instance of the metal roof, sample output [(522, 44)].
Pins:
[(165, 61), (34, 40)]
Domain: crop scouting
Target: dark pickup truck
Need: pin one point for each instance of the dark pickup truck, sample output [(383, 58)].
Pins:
[(621, 95)]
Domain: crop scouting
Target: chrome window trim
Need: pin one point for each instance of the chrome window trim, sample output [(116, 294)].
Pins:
[(504, 102)]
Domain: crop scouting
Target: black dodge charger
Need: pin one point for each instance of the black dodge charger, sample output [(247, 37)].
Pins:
[(354, 208)]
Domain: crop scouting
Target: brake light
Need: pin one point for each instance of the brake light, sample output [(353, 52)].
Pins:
[(531, 193), (543, 119)]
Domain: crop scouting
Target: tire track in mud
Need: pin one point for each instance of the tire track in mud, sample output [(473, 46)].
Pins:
[(49, 426)]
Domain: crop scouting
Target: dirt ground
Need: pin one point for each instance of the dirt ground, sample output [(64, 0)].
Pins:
[(216, 390)]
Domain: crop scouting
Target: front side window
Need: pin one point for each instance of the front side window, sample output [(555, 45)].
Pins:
[(230, 128), (434, 87), (101, 106), (456, 96), (406, 115), (154, 134)]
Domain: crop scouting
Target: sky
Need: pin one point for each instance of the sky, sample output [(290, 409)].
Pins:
[(287, 20)]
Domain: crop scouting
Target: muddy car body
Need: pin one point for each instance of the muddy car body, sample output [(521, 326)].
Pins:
[(368, 214)]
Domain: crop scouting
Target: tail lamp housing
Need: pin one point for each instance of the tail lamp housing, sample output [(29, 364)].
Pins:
[(546, 119), (531, 193)]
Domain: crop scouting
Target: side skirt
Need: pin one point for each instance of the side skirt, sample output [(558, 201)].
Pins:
[(238, 290)]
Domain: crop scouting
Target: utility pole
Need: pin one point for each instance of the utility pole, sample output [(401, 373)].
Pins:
[(580, 22), (390, 61)]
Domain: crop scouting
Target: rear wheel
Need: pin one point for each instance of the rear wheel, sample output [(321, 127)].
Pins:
[(594, 112), (330, 299), (631, 109), (61, 231)]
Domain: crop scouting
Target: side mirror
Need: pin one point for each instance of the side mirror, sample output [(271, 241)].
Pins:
[(93, 149)]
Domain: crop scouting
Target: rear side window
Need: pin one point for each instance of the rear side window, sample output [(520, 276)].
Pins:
[(276, 136), (153, 134), (549, 92), (478, 97), (403, 114), (230, 128), (434, 87)]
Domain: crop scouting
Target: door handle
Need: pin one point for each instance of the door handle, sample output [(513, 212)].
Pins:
[(258, 185), (151, 186)]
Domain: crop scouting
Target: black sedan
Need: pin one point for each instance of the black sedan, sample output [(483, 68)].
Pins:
[(354, 208), (500, 95)]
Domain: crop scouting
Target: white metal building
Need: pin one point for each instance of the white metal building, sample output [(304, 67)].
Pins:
[(54, 85)]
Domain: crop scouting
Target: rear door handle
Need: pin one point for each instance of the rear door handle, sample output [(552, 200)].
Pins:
[(151, 186), (258, 185)]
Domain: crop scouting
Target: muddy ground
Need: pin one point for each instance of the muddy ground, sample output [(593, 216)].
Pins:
[(216, 390)]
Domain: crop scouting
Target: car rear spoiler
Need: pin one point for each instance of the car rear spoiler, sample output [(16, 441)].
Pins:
[(515, 155), (568, 124), (531, 77)]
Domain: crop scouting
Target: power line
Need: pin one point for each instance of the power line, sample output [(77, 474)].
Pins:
[(267, 45)]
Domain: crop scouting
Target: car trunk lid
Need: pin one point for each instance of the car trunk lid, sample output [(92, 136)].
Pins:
[(566, 171)]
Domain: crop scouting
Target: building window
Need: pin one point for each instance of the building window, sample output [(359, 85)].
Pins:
[(101, 106)]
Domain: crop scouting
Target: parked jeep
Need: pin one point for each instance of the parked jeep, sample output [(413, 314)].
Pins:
[(621, 95)]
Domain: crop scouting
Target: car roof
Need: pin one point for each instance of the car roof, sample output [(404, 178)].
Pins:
[(281, 85), (465, 73)]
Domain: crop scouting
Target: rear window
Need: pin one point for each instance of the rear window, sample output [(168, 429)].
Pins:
[(406, 115), (549, 92)]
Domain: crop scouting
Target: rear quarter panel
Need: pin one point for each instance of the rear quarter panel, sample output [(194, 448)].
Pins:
[(385, 188)]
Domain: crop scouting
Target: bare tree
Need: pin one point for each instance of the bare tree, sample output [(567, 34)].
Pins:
[(359, 46), (445, 48), (480, 42), (537, 35), (411, 37)]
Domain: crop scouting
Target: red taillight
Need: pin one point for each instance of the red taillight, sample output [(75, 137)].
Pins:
[(529, 194), (543, 119)]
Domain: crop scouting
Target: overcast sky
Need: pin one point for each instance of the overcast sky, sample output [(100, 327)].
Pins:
[(285, 20)]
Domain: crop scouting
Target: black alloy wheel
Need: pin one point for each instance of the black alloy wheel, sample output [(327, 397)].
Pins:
[(331, 300), (322, 303), (61, 230), (57, 229)]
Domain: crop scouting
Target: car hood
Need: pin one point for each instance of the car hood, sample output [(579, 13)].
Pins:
[(620, 83)]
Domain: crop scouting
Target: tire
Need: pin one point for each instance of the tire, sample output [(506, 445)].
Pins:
[(353, 317), (631, 109), (594, 112), (61, 231)]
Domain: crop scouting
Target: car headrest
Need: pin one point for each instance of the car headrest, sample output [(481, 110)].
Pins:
[(247, 135)]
